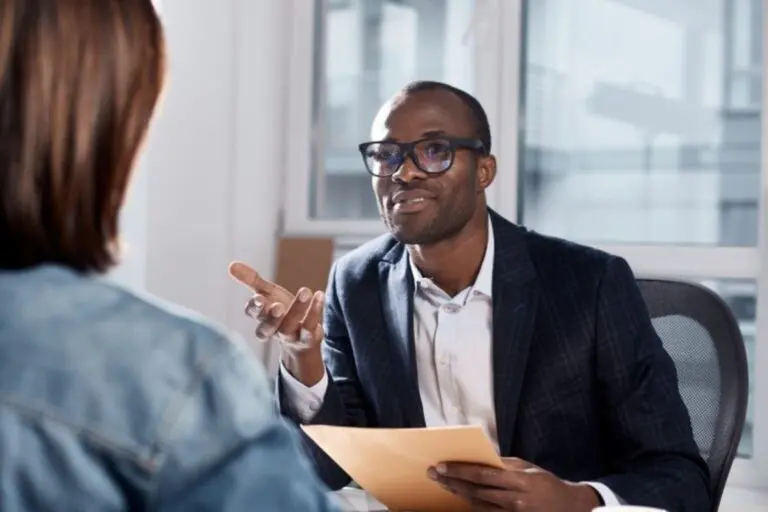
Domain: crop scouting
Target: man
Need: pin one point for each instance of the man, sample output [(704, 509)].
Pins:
[(458, 316)]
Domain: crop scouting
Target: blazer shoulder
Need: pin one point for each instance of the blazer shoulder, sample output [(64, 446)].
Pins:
[(548, 253), (362, 260), (552, 255)]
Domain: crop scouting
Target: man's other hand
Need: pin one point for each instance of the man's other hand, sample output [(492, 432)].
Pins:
[(520, 485)]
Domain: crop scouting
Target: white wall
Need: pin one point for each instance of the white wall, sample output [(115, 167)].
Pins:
[(132, 270), (208, 186)]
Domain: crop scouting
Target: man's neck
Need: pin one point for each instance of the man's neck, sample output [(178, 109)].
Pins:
[(453, 264)]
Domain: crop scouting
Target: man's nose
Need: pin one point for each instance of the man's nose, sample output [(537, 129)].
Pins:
[(408, 171)]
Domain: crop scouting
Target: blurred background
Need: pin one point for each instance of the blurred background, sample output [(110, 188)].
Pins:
[(631, 125)]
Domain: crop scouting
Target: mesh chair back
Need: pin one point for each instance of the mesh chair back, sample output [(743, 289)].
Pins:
[(701, 335)]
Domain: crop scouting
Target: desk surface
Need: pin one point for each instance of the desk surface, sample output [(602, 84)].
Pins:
[(357, 500)]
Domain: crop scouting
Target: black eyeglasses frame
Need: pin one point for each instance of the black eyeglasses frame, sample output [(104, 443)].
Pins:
[(407, 150)]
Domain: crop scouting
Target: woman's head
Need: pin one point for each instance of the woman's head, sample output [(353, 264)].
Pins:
[(79, 80)]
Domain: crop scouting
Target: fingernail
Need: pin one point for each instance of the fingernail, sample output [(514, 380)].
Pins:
[(260, 335), (304, 295), (305, 336), (277, 311), (441, 469), (431, 473), (254, 306)]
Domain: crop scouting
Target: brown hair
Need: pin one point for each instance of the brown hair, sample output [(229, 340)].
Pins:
[(79, 80)]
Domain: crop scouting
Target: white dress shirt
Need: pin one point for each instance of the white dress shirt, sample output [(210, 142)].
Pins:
[(453, 343)]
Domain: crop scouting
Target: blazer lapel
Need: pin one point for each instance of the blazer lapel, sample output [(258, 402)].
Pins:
[(397, 303), (515, 300)]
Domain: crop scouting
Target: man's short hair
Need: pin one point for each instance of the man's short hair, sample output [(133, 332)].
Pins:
[(482, 127), (79, 80)]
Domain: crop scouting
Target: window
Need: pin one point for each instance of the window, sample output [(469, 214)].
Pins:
[(743, 59), (628, 134), (642, 134), (362, 52), (631, 125), (372, 49)]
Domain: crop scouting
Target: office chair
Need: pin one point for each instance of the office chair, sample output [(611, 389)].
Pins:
[(700, 333)]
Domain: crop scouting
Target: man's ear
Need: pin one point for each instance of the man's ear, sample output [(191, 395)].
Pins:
[(486, 171)]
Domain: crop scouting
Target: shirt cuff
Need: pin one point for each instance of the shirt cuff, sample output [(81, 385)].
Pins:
[(607, 495), (304, 401)]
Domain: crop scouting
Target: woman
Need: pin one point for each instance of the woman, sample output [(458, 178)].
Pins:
[(109, 401)]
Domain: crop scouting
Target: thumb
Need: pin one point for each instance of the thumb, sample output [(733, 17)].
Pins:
[(518, 464)]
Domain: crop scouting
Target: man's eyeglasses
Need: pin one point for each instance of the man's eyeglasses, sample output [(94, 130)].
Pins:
[(432, 156)]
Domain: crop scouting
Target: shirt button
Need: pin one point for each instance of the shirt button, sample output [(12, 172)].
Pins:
[(450, 308)]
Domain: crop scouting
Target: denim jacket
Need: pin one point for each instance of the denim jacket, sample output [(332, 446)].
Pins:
[(111, 402)]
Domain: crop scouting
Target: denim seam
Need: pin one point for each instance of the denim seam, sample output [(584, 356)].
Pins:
[(174, 412), (148, 464)]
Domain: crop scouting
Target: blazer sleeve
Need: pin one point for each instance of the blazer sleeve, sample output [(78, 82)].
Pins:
[(652, 451), (343, 403)]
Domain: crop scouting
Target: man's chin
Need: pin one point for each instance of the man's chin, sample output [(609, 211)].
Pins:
[(411, 234)]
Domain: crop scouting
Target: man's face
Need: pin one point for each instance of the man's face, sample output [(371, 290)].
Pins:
[(422, 208)]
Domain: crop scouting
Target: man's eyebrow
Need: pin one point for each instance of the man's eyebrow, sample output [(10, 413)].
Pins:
[(433, 133), (425, 135)]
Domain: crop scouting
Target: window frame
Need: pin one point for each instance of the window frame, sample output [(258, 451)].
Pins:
[(305, 120), (498, 67)]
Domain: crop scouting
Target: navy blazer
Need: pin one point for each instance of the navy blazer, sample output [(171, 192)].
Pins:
[(582, 384)]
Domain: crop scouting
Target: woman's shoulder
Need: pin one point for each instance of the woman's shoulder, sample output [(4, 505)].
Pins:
[(113, 362)]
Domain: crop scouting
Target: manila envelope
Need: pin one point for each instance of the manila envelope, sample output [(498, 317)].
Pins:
[(391, 464)]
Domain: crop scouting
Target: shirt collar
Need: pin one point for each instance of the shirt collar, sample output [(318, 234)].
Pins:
[(484, 281)]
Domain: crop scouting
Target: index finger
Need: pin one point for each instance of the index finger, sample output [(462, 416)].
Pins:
[(250, 278)]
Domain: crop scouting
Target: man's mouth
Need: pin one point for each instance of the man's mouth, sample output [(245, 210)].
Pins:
[(410, 205)]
